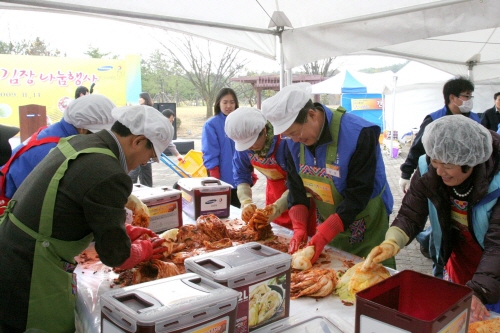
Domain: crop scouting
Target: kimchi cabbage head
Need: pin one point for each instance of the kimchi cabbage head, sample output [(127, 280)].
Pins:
[(354, 280)]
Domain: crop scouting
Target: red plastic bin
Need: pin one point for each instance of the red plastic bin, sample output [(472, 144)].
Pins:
[(413, 302)]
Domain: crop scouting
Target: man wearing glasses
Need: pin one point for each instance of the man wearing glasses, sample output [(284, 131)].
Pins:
[(76, 194), (458, 100), (335, 158)]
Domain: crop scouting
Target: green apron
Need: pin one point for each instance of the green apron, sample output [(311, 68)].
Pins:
[(369, 228), (52, 304)]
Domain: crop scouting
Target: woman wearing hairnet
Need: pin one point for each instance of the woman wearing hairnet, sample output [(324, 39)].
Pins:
[(457, 186), (335, 157), (258, 147)]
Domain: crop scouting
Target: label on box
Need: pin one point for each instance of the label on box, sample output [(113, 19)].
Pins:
[(251, 313), (457, 325), (370, 325), (164, 216), (213, 202), (217, 326)]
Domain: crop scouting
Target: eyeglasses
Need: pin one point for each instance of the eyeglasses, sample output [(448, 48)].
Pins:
[(467, 96), (154, 158), (294, 135)]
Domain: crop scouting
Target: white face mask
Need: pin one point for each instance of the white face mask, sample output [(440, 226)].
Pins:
[(466, 106)]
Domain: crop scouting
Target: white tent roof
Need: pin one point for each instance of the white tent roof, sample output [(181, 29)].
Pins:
[(312, 30), (415, 73), (375, 83)]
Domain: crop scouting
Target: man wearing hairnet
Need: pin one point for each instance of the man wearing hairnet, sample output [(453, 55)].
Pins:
[(75, 195), (334, 157), (85, 115), (457, 186), (257, 146)]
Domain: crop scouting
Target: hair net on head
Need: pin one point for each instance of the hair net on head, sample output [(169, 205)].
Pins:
[(457, 140), (283, 108), (243, 126), (146, 120), (90, 112)]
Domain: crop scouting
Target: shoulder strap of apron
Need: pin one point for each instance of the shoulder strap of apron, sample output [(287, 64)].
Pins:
[(331, 154), (70, 153)]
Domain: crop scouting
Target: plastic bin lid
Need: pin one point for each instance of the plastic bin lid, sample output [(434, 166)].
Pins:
[(246, 262), (166, 299), (190, 184), (311, 325), (146, 194)]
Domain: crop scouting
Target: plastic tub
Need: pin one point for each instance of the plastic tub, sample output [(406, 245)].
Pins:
[(413, 302), (193, 164)]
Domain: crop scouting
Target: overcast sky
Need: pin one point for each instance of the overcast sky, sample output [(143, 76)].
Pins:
[(73, 34)]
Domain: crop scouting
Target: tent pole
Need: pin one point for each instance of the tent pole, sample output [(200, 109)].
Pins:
[(395, 79), (279, 30)]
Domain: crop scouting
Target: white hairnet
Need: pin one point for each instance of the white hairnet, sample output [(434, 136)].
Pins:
[(90, 112), (146, 120), (457, 140), (243, 126), (283, 108)]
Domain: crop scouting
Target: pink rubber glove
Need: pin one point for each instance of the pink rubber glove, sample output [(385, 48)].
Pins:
[(136, 232), (158, 249), (215, 172), (325, 233), (141, 250), (299, 216)]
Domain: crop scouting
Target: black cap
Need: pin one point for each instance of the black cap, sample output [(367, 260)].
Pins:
[(6, 132)]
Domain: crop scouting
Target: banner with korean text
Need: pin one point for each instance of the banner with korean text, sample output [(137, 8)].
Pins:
[(52, 81)]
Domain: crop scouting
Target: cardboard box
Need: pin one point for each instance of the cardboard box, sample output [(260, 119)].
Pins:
[(260, 274), (413, 302), (203, 196), (182, 303), (164, 204)]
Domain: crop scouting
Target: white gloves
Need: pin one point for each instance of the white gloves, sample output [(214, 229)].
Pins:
[(404, 184)]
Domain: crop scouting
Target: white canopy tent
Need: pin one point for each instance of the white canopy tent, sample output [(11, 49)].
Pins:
[(375, 83), (304, 31), (419, 91)]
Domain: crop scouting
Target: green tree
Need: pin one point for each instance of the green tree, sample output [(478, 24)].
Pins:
[(36, 47), (320, 67), (94, 52)]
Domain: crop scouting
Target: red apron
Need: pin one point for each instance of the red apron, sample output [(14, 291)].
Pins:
[(32, 142), (464, 259), (276, 181)]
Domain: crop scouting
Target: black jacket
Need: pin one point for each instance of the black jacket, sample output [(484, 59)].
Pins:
[(490, 119)]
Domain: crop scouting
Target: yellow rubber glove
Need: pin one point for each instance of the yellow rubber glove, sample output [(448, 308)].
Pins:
[(278, 207), (395, 239), (248, 208)]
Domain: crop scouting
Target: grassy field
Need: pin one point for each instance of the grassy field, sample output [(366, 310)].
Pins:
[(192, 120)]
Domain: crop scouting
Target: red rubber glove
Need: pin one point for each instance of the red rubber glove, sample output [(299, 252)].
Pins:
[(136, 232), (180, 159), (325, 233), (215, 172), (299, 216), (141, 250), (158, 249)]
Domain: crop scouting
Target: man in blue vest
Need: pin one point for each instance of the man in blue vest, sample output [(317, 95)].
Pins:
[(458, 99), (335, 158)]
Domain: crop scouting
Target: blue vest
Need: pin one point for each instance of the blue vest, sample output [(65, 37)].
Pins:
[(441, 113), (481, 212), (350, 127)]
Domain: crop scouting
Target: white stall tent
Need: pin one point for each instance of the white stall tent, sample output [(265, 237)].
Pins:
[(375, 83), (419, 91), (305, 30)]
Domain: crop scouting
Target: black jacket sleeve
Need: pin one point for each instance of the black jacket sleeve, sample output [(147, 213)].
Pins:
[(297, 192), (416, 150), (361, 178)]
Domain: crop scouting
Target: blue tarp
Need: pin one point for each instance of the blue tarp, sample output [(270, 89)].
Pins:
[(352, 86)]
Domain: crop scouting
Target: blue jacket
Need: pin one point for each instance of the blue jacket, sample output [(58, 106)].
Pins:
[(243, 167), (23, 165), (350, 127), (442, 112), (218, 149)]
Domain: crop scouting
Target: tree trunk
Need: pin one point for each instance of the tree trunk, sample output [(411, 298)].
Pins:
[(210, 111)]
